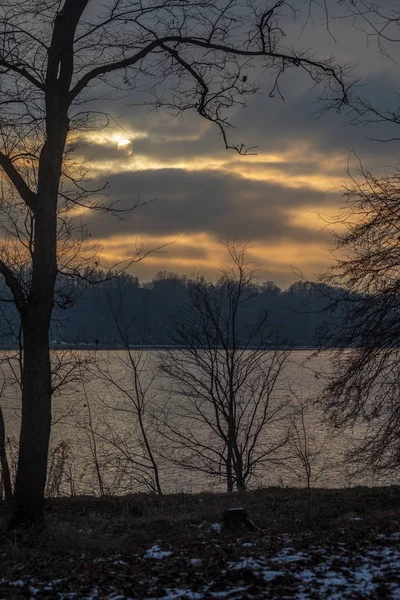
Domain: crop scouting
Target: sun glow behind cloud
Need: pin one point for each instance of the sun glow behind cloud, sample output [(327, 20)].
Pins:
[(296, 167), (318, 174), (283, 200)]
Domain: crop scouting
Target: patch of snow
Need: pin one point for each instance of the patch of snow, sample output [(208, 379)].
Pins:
[(229, 593), (286, 556), (248, 544), (332, 578), (17, 583), (99, 560), (175, 594), (364, 577), (271, 575), (196, 561), (156, 552), (216, 527), (246, 563), (306, 576)]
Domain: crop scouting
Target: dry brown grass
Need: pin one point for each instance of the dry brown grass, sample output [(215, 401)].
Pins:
[(100, 544), (121, 523)]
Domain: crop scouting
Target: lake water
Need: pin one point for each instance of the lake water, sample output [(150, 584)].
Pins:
[(102, 449)]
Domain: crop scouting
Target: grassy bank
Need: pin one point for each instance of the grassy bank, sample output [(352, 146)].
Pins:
[(107, 548), (121, 523)]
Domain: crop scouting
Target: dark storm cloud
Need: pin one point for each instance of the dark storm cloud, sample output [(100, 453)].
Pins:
[(300, 146), (218, 203), (270, 124)]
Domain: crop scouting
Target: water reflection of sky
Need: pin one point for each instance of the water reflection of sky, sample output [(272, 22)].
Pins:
[(95, 408)]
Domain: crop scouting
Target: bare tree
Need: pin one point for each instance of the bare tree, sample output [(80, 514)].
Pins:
[(52, 56), (364, 384), (363, 325), (224, 372), (308, 444), (91, 431), (113, 451), (130, 374)]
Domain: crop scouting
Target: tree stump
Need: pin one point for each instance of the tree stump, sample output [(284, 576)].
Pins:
[(238, 518)]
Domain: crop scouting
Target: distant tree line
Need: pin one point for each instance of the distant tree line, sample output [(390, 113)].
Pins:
[(298, 314)]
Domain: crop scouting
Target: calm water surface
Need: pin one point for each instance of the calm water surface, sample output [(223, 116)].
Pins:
[(95, 422)]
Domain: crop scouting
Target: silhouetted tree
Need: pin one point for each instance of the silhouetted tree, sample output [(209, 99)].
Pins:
[(52, 56), (131, 377), (365, 381), (223, 379)]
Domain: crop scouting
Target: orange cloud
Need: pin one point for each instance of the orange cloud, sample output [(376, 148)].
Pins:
[(202, 252)]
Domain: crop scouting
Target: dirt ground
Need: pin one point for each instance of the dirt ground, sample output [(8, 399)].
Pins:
[(143, 546)]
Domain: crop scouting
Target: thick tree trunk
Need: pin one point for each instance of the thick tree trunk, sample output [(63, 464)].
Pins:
[(35, 318), (240, 480), (35, 428), (238, 467), (4, 462), (37, 307)]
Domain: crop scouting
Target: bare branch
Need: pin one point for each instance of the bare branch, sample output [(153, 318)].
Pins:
[(7, 66), (14, 285), (18, 181)]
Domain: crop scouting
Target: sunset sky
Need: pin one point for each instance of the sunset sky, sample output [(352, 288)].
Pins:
[(280, 200)]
